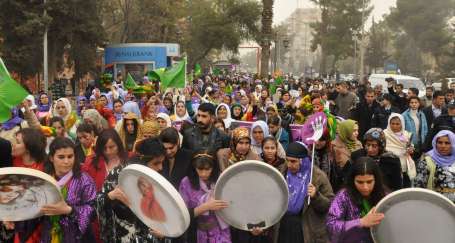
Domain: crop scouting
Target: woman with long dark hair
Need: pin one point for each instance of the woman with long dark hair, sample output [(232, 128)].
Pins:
[(118, 223), (28, 151), (68, 220), (352, 212), (109, 153), (197, 192)]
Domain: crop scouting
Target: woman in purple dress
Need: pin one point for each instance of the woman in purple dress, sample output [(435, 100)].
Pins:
[(197, 192), (69, 219), (353, 211)]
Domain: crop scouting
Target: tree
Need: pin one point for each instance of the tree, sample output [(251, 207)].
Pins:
[(340, 19), (200, 26), (219, 25), (265, 40), (379, 40), (22, 27), (424, 24), (128, 21), (70, 23)]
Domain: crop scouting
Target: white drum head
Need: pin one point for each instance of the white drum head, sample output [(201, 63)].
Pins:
[(154, 200), (415, 215), (256, 192), (23, 192)]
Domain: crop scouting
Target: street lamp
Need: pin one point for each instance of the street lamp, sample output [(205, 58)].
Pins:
[(355, 32), (45, 64), (362, 42)]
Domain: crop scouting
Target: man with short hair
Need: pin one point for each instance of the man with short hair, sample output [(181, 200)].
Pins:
[(435, 110), (413, 92), (177, 163), (378, 92), (446, 121), (450, 96), (398, 96), (381, 115), (345, 101), (203, 135), (364, 111), (428, 99)]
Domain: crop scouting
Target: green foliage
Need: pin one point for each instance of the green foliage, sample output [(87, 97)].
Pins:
[(22, 29), (339, 20), (70, 23), (221, 24), (376, 52), (422, 26), (425, 23)]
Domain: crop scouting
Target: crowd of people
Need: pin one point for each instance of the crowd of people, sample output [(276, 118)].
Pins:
[(383, 143)]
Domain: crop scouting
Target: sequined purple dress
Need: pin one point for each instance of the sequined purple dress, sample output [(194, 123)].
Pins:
[(343, 221), (214, 231), (75, 226)]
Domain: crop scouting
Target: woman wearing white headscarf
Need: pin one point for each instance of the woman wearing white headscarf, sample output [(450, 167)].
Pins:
[(181, 113), (62, 108), (398, 141), (259, 131), (224, 112), (164, 120)]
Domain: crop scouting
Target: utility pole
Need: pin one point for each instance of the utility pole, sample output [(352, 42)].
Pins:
[(355, 53), (45, 61), (362, 43)]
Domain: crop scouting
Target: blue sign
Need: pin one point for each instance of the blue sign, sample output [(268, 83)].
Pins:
[(390, 67), (136, 54)]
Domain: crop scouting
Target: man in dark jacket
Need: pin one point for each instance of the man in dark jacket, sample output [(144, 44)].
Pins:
[(178, 160), (435, 109), (398, 96), (443, 122), (363, 112), (203, 135), (374, 147), (381, 115)]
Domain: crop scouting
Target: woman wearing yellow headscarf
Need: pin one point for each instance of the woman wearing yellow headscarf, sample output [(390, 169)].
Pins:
[(345, 143)]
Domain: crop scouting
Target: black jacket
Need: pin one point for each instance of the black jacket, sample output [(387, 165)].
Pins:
[(6, 159), (193, 140), (390, 166), (182, 165), (363, 114), (428, 111), (381, 116), (399, 101)]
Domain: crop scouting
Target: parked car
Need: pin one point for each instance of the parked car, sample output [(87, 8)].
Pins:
[(407, 81)]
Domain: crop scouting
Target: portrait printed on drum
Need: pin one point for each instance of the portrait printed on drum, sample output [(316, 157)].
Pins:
[(150, 207), (20, 191)]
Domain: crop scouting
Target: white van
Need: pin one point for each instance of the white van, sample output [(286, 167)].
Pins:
[(406, 81)]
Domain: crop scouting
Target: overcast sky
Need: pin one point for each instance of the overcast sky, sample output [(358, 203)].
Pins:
[(283, 8)]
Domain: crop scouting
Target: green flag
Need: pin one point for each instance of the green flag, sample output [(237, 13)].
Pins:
[(130, 84), (216, 71), (279, 80), (11, 93), (156, 74), (273, 85), (197, 70), (175, 77)]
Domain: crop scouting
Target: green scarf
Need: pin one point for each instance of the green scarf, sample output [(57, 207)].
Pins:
[(56, 230), (365, 208), (345, 130)]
